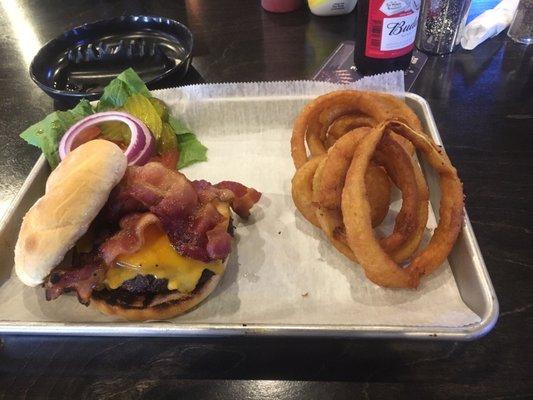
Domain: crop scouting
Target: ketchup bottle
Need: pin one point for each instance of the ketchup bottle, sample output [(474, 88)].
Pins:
[(385, 34)]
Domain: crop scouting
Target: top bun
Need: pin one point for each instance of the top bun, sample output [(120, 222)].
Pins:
[(75, 193)]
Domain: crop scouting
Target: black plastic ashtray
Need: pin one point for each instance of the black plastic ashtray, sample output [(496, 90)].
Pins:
[(82, 61)]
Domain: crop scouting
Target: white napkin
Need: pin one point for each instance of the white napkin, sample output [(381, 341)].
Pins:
[(488, 24)]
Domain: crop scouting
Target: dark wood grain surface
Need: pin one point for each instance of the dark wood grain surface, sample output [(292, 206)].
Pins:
[(483, 105)]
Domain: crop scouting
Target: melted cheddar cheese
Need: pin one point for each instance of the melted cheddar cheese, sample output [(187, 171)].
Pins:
[(157, 257)]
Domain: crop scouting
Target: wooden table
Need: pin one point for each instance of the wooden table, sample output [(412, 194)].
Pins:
[(482, 103)]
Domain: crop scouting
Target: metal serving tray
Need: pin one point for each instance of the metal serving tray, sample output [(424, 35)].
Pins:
[(466, 263)]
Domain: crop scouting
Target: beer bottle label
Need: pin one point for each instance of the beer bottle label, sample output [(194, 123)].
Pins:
[(391, 27)]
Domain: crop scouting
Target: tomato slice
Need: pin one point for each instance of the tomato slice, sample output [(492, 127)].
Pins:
[(169, 158)]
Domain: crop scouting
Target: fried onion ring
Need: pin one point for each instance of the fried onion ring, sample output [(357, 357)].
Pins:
[(302, 189), (347, 123), (327, 190), (358, 101), (331, 221), (413, 242), (313, 123), (379, 192), (379, 267), (399, 166), (402, 111)]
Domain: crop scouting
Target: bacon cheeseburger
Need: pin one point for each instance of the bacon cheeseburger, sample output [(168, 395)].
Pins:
[(146, 242)]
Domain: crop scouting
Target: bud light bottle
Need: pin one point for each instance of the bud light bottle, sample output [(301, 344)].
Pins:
[(385, 34)]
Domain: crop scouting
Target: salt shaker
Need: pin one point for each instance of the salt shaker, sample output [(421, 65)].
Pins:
[(441, 25)]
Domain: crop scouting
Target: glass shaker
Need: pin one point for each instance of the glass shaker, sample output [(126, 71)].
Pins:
[(521, 29), (441, 25)]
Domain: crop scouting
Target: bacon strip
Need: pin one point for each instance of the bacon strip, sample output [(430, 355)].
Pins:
[(165, 192), (130, 238), (207, 192), (218, 242), (240, 197), (210, 239), (185, 210), (245, 197), (83, 280)]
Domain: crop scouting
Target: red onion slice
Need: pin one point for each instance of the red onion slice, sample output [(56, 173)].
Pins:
[(142, 143)]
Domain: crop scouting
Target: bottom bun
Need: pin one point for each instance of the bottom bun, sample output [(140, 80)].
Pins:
[(163, 306)]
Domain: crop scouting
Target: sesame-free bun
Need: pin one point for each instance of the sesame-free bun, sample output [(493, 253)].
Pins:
[(75, 192)]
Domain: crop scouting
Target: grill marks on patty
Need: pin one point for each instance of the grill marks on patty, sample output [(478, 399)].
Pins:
[(140, 291), (145, 284)]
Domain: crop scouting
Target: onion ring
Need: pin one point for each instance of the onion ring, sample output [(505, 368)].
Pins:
[(313, 123), (327, 190), (331, 221), (399, 166), (379, 192), (413, 242), (451, 210), (302, 190), (357, 101), (378, 265), (346, 123), (402, 112), (316, 146), (140, 149)]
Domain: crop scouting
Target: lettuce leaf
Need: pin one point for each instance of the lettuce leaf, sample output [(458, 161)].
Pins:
[(134, 82), (191, 150), (178, 126), (47, 133), (82, 109), (117, 92)]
